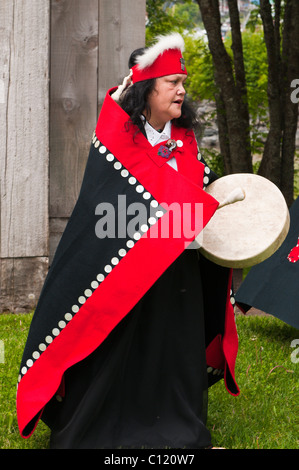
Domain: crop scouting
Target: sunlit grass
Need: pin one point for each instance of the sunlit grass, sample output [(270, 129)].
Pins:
[(264, 416)]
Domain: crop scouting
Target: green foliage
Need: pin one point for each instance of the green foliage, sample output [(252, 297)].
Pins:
[(254, 20), (200, 84), (167, 16), (188, 12), (213, 159), (163, 20)]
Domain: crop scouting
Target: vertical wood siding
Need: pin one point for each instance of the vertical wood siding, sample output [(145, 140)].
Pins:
[(57, 60), (24, 149)]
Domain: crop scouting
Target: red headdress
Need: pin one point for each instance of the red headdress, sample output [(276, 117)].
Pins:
[(163, 58)]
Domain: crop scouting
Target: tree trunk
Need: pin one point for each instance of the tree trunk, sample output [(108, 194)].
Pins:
[(271, 162), (238, 133), (278, 159), (223, 134), (290, 64), (241, 87)]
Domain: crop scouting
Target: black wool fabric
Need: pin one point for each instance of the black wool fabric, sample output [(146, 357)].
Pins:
[(146, 385)]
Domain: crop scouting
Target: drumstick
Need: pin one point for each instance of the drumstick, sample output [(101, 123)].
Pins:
[(237, 194)]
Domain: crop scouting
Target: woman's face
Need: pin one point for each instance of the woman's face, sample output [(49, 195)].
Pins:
[(166, 99)]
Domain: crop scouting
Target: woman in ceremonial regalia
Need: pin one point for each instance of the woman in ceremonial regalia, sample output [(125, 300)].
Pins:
[(133, 326)]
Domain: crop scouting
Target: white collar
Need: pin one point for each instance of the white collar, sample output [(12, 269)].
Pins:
[(154, 137)]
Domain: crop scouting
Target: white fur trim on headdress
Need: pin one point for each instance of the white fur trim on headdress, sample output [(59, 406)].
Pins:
[(171, 41)]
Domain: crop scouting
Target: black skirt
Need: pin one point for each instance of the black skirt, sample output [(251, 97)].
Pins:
[(146, 385)]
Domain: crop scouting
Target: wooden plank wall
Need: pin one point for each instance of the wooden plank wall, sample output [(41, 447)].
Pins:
[(24, 150), (120, 32), (91, 42), (73, 97), (81, 48)]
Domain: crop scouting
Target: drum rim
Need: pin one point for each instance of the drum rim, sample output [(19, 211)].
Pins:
[(263, 253)]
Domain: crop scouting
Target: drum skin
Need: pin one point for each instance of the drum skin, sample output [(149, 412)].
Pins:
[(247, 232)]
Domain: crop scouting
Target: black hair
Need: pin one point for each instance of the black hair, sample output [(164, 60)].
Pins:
[(135, 101)]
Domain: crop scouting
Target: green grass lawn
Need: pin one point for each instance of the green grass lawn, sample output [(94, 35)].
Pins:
[(264, 416)]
